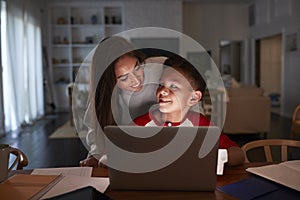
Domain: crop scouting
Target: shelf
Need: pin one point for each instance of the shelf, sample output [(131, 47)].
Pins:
[(86, 25), (61, 45), (62, 65), (83, 45), (62, 84), (113, 25), (75, 29), (77, 65), (60, 25)]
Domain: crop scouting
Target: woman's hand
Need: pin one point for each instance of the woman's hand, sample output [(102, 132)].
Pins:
[(89, 162)]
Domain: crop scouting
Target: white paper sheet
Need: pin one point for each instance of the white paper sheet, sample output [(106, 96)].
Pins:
[(78, 171), (70, 183), (286, 173)]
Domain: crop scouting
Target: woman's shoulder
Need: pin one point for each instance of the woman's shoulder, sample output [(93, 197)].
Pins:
[(156, 59), (153, 68), (153, 73)]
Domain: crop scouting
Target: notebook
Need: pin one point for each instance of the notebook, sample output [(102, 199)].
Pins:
[(162, 158), (27, 186)]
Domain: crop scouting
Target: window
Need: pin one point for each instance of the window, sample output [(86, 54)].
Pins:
[(22, 63)]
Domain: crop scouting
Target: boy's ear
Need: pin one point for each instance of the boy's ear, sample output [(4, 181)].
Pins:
[(196, 97)]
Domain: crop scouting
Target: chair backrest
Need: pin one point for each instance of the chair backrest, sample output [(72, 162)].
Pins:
[(266, 143), (295, 127), (23, 161), (296, 114)]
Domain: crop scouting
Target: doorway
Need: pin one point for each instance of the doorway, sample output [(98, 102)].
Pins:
[(231, 58), (268, 68)]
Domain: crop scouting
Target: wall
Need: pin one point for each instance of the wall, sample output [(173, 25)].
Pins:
[(141, 13), (210, 23), (280, 17), (155, 13)]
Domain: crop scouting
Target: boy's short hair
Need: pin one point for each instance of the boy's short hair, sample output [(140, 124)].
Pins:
[(188, 71)]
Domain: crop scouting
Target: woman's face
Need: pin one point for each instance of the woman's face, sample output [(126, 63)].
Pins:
[(129, 73)]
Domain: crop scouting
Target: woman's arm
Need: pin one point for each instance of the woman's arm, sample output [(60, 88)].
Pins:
[(94, 139)]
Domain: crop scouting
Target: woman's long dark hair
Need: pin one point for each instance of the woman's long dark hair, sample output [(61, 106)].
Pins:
[(104, 99)]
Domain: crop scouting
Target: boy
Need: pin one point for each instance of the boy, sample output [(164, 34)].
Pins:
[(181, 86)]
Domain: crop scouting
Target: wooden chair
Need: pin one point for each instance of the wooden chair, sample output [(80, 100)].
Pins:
[(23, 161), (295, 128), (266, 143)]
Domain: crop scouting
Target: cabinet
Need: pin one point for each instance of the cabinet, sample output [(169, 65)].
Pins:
[(74, 29)]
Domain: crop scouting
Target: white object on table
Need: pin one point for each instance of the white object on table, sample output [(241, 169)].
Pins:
[(78, 171), (74, 178), (222, 159), (286, 173), (71, 183)]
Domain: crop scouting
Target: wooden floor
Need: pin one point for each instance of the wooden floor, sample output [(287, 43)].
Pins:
[(44, 152)]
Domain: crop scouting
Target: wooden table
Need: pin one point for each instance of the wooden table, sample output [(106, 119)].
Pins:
[(231, 175)]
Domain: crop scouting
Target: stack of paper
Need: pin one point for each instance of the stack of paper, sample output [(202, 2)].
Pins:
[(77, 171), (73, 178)]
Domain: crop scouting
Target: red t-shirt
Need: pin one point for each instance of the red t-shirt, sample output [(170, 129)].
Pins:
[(194, 118)]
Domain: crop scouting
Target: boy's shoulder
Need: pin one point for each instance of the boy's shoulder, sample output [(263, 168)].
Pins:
[(198, 119)]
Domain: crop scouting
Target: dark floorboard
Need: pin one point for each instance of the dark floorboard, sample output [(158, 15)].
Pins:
[(44, 152)]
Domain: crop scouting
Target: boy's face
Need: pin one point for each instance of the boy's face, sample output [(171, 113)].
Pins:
[(129, 73), (175, 94)]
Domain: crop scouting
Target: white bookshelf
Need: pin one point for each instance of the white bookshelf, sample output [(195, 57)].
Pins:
[(74, 30)]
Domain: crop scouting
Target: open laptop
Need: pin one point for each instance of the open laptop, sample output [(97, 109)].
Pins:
[(162, 158)]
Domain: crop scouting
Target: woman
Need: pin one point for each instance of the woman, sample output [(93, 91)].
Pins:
[(125, 90)]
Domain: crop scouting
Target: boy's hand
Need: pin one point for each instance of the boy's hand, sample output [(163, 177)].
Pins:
[(89, 162), (235, 156)]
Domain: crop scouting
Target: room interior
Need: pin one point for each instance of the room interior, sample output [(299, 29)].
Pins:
[(253, 43), (238, 34)]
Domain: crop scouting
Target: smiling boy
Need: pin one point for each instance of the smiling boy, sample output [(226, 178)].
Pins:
[(180, 87)]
